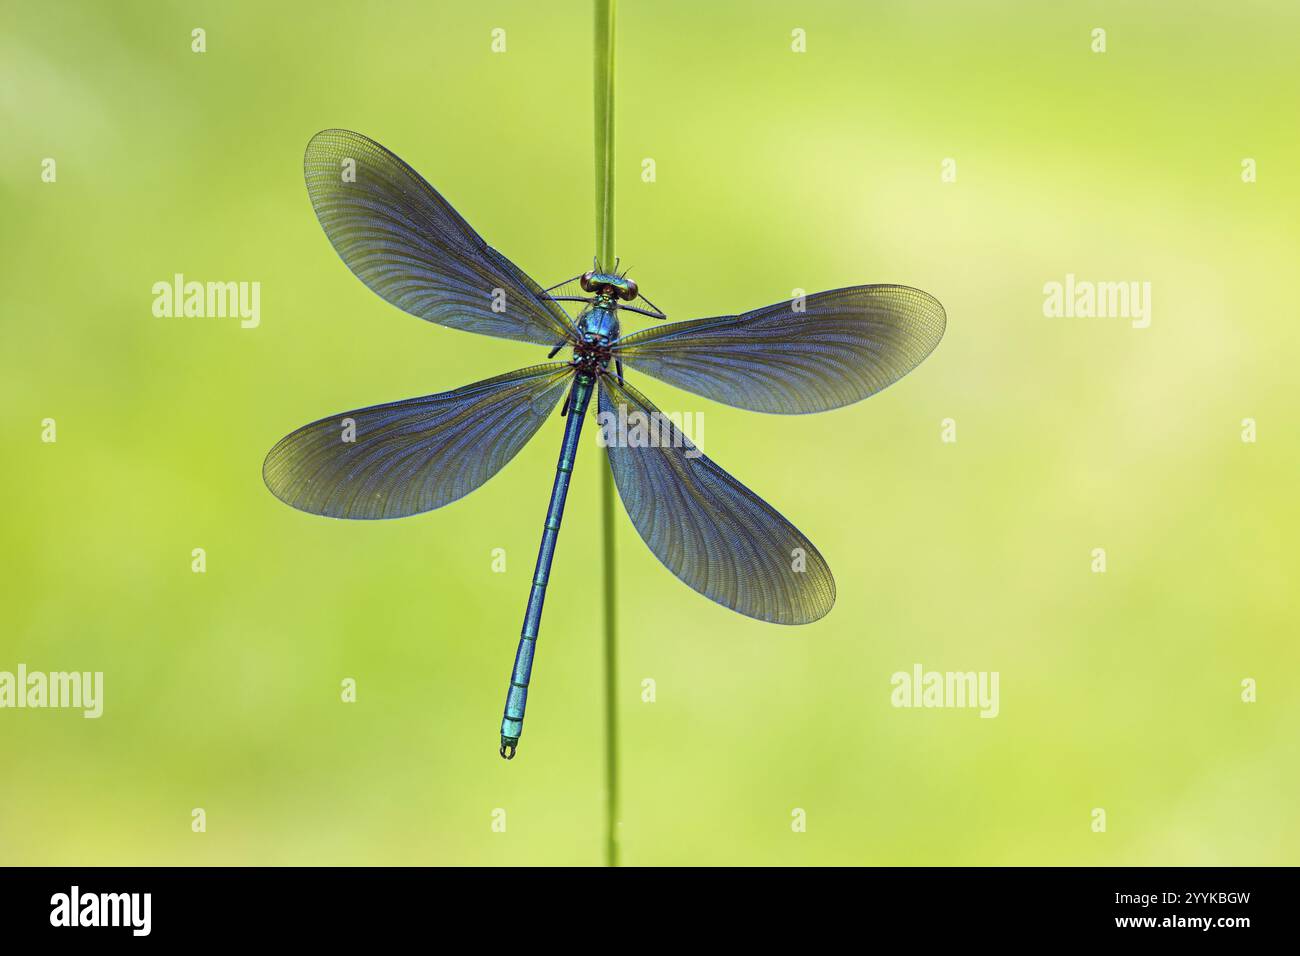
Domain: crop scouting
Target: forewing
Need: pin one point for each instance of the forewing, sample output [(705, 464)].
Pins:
[(827, 350), (706, 527), (389, 461), (409, 245)]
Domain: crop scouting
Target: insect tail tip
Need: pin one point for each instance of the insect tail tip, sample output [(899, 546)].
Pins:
[(509, 747)]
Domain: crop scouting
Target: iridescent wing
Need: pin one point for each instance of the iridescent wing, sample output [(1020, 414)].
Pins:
[(706, 527), (830, 349), (410, 246), (389, 461)]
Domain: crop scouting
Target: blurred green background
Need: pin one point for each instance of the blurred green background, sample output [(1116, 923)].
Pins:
[(775, 170)]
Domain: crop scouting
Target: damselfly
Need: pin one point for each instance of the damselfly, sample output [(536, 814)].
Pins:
[(809, 354)]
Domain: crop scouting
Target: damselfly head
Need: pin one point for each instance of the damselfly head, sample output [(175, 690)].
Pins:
[(609, 283)]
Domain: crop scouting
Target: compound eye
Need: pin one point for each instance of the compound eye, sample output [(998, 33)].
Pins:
[(585, 282), (630, 292)]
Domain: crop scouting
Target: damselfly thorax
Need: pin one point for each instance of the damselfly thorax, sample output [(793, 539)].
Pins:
[(597, 328)]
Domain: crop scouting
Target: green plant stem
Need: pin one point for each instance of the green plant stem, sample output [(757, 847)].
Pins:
[(604, 83)]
